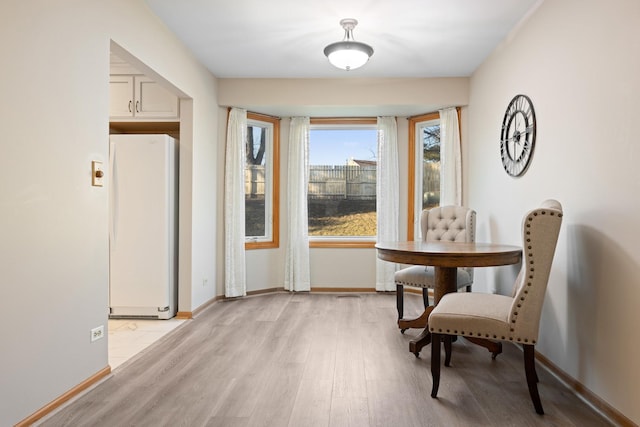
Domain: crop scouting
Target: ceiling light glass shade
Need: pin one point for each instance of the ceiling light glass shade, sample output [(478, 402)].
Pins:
[(348, 54)]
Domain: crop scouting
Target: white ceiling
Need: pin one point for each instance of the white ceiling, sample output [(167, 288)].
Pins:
[(286, 38)]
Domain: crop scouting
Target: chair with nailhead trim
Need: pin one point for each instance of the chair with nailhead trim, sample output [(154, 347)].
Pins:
[(448, 223), (513, 318)]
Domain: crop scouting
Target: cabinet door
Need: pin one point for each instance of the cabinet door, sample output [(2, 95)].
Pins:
[(154, 101), (121, 103)]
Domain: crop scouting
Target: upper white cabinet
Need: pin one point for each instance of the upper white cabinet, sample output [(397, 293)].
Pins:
[(139, 97)]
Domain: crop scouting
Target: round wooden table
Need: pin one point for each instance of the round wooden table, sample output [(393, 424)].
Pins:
[(446, 257)]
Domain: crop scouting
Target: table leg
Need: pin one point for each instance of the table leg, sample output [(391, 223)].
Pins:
[(494, 347), (421, 341), (418, 322), (445, 282)]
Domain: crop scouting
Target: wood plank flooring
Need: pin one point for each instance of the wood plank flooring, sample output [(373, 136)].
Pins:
[(299, 359)]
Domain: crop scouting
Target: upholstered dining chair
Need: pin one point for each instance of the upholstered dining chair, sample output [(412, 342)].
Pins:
[(448, 223), (514, 318)]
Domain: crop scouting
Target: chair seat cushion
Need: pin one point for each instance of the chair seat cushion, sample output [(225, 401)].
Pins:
[(423, 277), (472, 314)]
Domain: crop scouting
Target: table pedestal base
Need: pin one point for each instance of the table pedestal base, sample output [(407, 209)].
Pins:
[(418, 322), (421, 341), (445, 279), (424, 339)]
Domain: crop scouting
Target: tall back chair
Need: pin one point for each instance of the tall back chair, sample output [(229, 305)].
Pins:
[(444, 223), (513, 318)]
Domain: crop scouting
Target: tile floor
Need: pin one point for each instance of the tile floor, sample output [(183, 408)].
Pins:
[(128, 337)]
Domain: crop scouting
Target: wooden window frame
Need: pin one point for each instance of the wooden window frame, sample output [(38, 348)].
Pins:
[(411, 190), (411, 182), (338, 241), (274, 242)]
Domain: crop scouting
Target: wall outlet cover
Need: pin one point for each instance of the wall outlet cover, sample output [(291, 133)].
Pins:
[(97, 333)]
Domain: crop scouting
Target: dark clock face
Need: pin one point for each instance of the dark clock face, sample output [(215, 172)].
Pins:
[(518, 135)]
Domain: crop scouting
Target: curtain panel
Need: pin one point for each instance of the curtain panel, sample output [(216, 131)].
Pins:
[(387, 197), (297, 272), (235, 282), (450, 158)]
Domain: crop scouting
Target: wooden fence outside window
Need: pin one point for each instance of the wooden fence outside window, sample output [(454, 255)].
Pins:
[(339, 181)]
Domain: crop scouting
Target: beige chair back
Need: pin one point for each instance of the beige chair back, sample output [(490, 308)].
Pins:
[(449, 223), (540, 229)]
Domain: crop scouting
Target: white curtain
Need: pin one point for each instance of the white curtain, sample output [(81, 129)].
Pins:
[(234, 234), (297, 275), (387, 197), (450, 160)]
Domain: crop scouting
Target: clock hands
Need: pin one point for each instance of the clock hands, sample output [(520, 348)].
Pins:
[(518, 138), (518, 134)]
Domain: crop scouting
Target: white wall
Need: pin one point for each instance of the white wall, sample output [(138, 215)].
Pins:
[(53, 223), (579, 62)]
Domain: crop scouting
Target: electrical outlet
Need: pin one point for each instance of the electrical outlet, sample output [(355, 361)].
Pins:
[(97, 333)]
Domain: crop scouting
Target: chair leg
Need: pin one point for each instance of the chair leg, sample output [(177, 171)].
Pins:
[(532, 376), (435, 363), (425, 297), (400, 300), (447, 350)]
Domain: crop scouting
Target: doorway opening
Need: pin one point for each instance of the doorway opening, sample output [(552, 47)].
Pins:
[(149, 111)]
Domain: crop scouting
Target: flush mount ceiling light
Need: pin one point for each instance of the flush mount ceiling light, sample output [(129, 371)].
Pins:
[(348, 54)]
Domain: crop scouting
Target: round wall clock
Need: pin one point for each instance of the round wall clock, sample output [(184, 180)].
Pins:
[(518, 135)]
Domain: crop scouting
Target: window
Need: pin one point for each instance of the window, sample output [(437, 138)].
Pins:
[(424, 168), (342, 182), (262, 169)]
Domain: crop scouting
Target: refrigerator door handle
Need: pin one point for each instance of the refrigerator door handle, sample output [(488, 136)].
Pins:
[(114, 197)]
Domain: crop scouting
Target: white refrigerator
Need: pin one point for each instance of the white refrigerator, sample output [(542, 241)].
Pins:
[(143, 226)]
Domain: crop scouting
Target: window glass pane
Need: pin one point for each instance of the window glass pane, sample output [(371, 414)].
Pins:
[(254, 181), (424, 169), (260, 169), (342, 182), (430, 135)]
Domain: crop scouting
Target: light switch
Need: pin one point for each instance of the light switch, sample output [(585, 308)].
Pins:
[(97, 174)]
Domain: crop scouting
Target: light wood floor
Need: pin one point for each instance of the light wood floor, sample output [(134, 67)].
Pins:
[(291, 359)]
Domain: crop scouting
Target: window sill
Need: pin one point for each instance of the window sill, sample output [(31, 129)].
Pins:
[(341, 243), (261, 245)]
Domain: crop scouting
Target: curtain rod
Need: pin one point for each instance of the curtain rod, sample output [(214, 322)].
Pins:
[(257, 114), (264, 115), (433, 112), (343, 120)]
